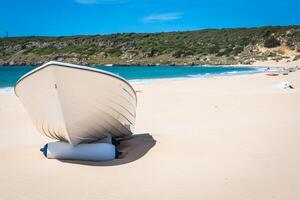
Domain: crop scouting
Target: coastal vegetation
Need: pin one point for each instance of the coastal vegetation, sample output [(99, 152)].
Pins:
[(201, 47)]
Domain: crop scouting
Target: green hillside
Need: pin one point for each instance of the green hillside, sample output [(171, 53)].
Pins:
[(210, 46)]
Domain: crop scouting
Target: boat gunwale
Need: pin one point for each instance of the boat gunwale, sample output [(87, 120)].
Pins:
[(68, 65)]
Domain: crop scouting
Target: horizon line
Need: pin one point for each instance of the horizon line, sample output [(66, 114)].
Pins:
[(150, 32)]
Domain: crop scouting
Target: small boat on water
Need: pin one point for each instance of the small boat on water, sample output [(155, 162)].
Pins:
[(78, 104)]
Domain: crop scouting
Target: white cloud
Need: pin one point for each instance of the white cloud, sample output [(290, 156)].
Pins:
[(162, 17)]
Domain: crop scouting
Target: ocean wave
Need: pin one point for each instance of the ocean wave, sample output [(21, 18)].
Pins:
[(7, 90), (233, 72), (255, 71), (205, 75), (230, 73)]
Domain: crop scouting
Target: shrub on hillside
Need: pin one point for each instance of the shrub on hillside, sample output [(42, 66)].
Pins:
[(271, 42)]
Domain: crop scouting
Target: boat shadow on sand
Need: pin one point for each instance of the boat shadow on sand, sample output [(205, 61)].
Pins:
[(131, 148)]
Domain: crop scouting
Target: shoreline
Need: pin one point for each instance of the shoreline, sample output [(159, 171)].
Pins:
[(272, 65)]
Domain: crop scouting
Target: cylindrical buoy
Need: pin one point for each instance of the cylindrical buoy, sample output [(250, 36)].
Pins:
[(88, 152)]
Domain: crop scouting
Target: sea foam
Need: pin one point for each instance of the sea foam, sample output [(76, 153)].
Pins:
[(7, 90)]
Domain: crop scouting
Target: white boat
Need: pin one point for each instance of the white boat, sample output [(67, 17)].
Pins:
[(77, 104)]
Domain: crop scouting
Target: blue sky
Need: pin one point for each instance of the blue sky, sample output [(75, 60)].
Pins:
[(75, 17)]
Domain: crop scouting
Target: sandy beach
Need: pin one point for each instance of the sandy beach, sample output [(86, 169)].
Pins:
[(220, 138)]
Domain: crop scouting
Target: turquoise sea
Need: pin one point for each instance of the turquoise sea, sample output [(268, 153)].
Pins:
[(10, 74)]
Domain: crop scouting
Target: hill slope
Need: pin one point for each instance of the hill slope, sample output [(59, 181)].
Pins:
[(210, 46)]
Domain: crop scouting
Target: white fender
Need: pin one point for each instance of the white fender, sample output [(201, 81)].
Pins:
[(88, 152)]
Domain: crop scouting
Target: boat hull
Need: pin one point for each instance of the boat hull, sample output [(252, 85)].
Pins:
[(78, 104)]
